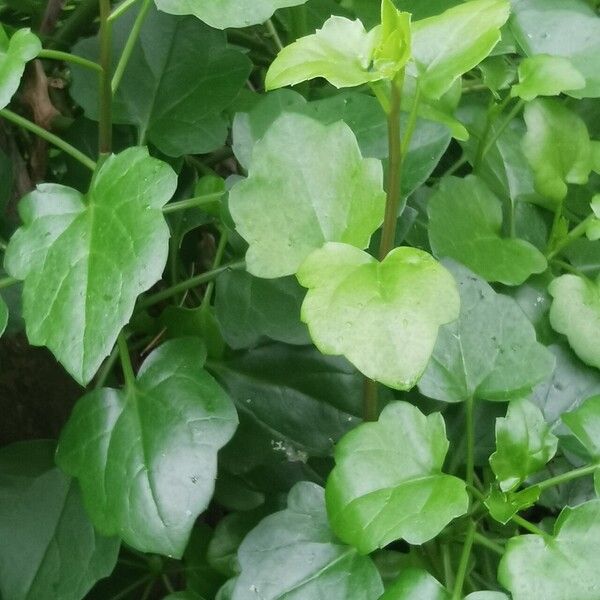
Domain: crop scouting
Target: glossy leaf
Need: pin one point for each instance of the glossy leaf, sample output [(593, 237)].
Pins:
[(465, 223), (561, 567), (15, 53), (557, 146), (295, 201), (85, 259), (489, 353), (50, 548), (416, 584), (575, 312), (388, 482), (293, 553), (146, 456), (180, 78), (226, 13), (447, 45), (383, 317), (524, 444), (545, 75)]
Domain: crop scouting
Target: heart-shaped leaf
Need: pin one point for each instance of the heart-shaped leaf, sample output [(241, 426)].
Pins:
[(15, 53), (561, 567), (465, 223), (308, 184), (146, 457), (383, 317), (388, 482), (85, 259), (293, 553), (489, 353)]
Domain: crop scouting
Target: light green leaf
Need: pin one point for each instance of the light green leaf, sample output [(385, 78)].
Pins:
[(388, 482), (15, 53), (50, 548), (465, 223), (504, 506), (308, 184), (584, 422), (394, 48), (446, 46), (575, 312), (226, 13), (557, 146), (524, 444), (85, 259), (383, 317), (489, 353), (146, 457), (545, 75), (294, 554), (180, 78), (416, 584), (561, 567), (3, 316)]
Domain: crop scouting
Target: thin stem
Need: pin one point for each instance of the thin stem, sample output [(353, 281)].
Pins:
[(188, 284), (192, 202), (448, 572), (565, 477), (216, 263), (273, 33), (167, 583), (128, 372), (518, 107), (470, 426), (565, 266), (49, 137), (575, 233), (107, 367), (412, 121), (524, 524), (129, 46), (8, 282), (121, 9), (464, 562), (136, 584), (105, 114), (489, 544), (72, 58), (455, 167), (370, 400)]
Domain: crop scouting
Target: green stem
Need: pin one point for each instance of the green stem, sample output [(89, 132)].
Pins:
[(464, 562), (273, 33), (565, 266), (49, 137), (136, 584), (207, 199), (216, 263), (121, 9), (105, 113), (455, 167), (130, 45), (8, 282), (72, 58), (575, 233), (524, 524), (489, 544), (470, 426), (412, 121), (128, 372), (448, 572), (565, 477), (518, 107), (188, 284), (167, 583), (106, 368), (76, 23), (370, 400)]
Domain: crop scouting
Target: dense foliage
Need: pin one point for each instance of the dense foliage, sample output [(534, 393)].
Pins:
[(327, 276)]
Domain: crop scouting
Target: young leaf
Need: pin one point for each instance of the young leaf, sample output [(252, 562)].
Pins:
[(383, 317), (545, 75), (394, 48), (446, 46), (50, 548), (293, 553), (146, 457), (557, 146), (575, 312), (524, 444), (3, 316), (15, 53), (465, 223), (489, 353), (85, 259), (388, 482), (222, 14), (308, 184), (561, 567), (504, 506), (416, 584), (584, 422)]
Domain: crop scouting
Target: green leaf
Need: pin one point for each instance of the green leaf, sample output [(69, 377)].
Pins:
[(394, 48), (561, 567), (85, 259), (489, 353), (15, 53), (568, 28), (3, 316), (383, 317), (575, 312), (524, 444), (222, 14), (416, 584), (504, 506), (557, 146), (446, 46), (146, 456), (584, 422), (545, 75), (174, 91), (388, 482), (50, 548), (294, 554), (308, 184), (465, 223)]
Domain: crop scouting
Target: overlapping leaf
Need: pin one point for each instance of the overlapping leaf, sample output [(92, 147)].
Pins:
[(15, 53)]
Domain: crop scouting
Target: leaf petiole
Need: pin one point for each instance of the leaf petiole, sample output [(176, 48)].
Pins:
[(464, 562), (480, 539), (72, 58), (8, 282), (121, 9), (575, 233), (196, 202), (128, 372)]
